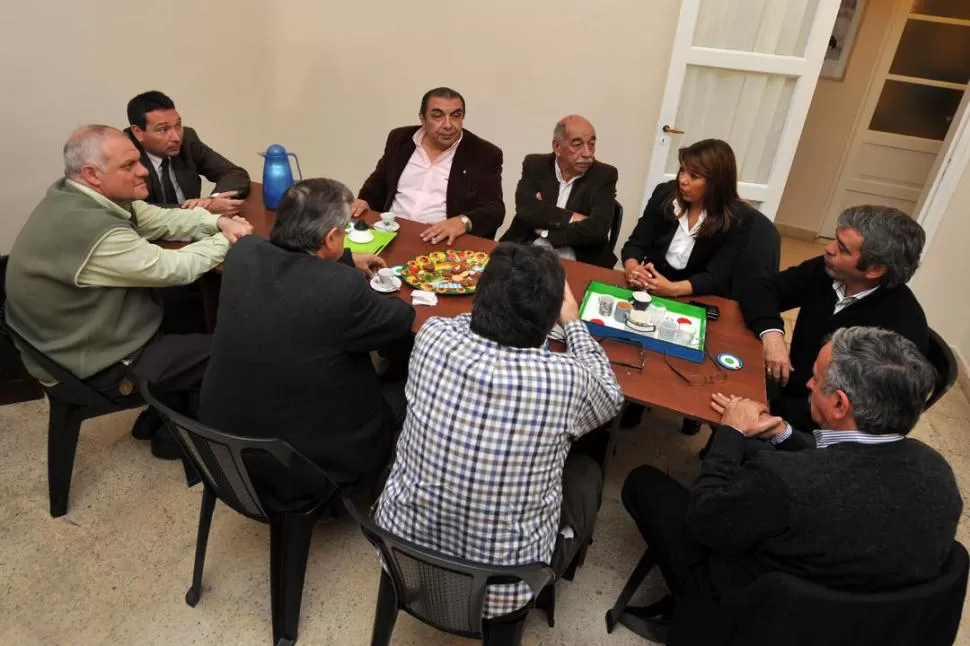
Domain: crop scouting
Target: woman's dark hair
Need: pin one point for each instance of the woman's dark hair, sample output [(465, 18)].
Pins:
[(519, 296), (713, 160)]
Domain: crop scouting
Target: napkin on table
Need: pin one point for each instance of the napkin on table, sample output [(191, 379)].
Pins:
[(419, 297)]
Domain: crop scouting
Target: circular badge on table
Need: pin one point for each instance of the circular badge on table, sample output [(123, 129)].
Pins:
[(729, 361)]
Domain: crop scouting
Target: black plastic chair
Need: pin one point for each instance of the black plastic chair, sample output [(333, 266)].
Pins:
[(445, 592), (780, 608), (218, 458), (941, 356), (74, 402), (616, 224)]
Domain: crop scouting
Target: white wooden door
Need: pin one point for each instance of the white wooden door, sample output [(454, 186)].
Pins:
[(919, 83), (743, 71)]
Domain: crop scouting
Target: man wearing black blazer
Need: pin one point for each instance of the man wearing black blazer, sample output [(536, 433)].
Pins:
[(566, 199), (175, 158), (438, 174), (862, 508), (860, 280), (290, 356)]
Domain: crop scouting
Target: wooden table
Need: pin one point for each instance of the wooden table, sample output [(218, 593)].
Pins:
[(655, 385)]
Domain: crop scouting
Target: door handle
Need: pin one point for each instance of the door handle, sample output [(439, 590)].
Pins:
[(672, 131)]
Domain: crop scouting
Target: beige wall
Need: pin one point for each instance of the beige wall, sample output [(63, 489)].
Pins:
[(829, 127), (940, 283), (328, 80)]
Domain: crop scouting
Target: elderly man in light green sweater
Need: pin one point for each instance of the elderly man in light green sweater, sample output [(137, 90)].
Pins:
[(82, 274)]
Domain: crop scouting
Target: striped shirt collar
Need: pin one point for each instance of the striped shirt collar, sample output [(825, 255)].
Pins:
[(825, 439)]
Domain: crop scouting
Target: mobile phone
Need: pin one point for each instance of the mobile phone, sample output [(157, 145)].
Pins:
[(713, 311)]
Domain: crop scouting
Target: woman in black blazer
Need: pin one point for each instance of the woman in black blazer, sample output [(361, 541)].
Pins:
[(693, 230), (690, 237)]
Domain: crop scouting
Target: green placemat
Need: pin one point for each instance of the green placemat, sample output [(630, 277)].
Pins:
[(381, 240)]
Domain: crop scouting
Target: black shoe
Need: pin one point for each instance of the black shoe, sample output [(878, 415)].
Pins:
[(632, 415), (146, 425), (690, 427), (650, 622), (164, 446)]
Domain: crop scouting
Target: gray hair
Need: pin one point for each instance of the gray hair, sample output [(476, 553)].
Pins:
[(85, 147), (559, 132), (889, 238), (884, 375), (307, 211)]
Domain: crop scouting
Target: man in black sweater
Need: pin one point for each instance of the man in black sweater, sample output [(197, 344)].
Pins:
[(290, 354), (866, 509), (860, 280)]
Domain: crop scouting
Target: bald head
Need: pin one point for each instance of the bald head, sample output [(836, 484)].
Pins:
[(104, 159), (574, 144)]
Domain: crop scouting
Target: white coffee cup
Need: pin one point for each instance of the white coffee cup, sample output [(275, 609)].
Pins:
[(386, 277), (359, 236), (387, 219), (685, 333)]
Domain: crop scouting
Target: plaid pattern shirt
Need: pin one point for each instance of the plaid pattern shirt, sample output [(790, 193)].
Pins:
[(478, 469)]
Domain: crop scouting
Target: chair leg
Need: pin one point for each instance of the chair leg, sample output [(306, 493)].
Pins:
[(385, 615), (570, 573), (63, 428), (546, 601), (201, 542), (506, 634), (640, 572), (289, 547)]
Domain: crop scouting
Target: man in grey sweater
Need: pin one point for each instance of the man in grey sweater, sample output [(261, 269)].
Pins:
[(863, 508)]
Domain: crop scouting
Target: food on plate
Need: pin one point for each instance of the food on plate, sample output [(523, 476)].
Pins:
[(446, 272)]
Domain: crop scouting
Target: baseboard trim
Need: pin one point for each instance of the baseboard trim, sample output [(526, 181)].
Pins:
[(796, 233)]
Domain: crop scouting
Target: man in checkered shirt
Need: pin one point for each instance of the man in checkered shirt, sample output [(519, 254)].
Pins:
[(483, 469)]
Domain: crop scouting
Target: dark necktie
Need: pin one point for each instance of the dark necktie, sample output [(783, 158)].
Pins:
[(168, 189)]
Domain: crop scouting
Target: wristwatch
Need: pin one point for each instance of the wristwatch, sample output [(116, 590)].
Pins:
[(467, 222), (544, 233)]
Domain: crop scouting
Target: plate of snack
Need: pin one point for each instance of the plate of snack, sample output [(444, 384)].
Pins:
[(445, 272)]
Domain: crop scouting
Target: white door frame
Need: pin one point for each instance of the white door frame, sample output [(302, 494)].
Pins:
[(953, 163), (805, 69)]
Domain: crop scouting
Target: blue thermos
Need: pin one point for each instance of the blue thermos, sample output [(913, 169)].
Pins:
[(277, 176)]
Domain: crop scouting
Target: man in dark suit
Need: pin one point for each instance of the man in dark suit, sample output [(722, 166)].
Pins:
[(290, 356), (860, 280), (175, 157), (566, 199), (864, 508), (438, 174)]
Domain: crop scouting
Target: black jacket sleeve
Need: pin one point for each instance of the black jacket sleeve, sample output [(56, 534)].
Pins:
[(376, 320), (735, 502), (766, 298), (529, 209), (716, 277), (642, 242), (374, 190), (595, 229), (488, 213), (219, 170)]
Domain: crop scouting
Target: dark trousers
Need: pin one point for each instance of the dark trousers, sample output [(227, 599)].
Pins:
[(582, 493), (658, 505)]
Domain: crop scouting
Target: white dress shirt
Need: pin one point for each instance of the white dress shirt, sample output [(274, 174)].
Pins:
[(157, 163), (422, 190), (682, 244)]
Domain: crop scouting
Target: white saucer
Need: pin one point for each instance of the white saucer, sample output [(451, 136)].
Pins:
[(390, 229), (377, 286)]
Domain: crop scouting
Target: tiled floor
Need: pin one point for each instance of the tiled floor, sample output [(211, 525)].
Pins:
[(115, 569)]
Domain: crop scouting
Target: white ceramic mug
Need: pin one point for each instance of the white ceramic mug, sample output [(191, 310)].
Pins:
[(387, 219), (385, 277)]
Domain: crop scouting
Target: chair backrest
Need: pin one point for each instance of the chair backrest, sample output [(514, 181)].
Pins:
[(941, 356), (780, 608), (762, 256), (70, 387), (442, 591), (616, 224), (218, 457)]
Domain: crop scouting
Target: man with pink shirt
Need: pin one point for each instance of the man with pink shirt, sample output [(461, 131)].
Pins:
[(438, 174)]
